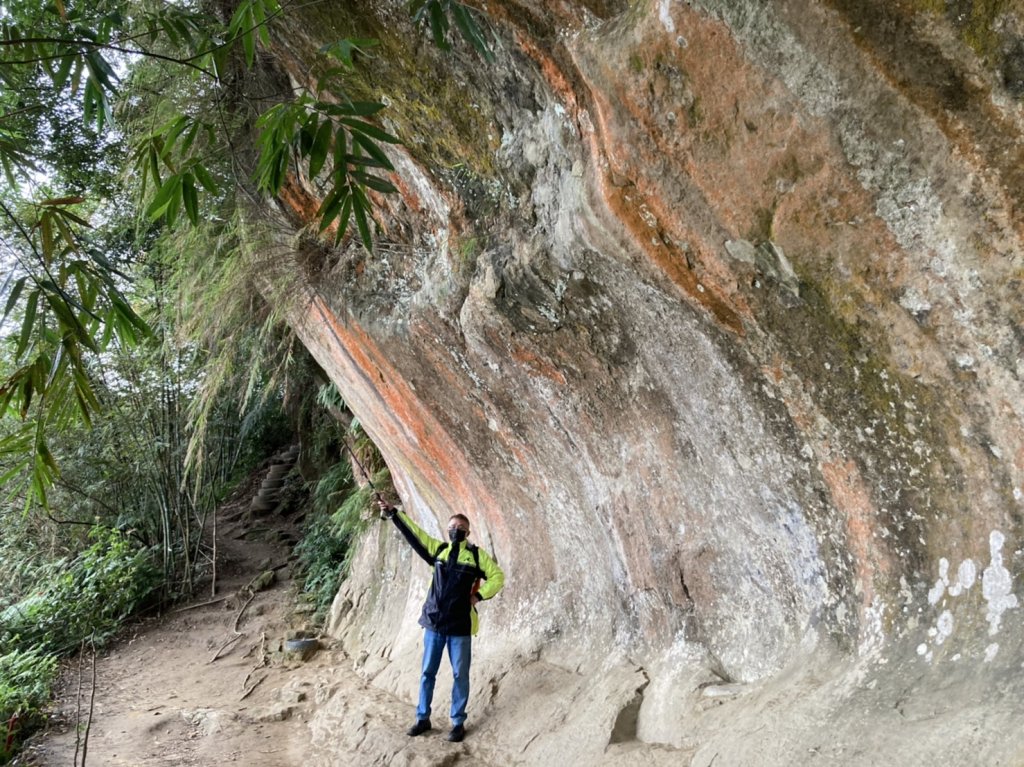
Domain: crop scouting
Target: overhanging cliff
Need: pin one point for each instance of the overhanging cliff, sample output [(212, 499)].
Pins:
[(708, 315)]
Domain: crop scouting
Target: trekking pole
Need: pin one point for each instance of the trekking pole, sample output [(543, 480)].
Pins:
[(369, 481)]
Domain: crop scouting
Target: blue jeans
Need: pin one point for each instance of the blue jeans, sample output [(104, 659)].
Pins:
[(459, 653)]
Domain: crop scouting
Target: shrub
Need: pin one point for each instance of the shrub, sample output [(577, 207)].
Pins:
[(25, 681), (88, 596), (325, 547)]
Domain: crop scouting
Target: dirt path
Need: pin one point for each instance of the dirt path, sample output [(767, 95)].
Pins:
[(162, 699), (210, 684)]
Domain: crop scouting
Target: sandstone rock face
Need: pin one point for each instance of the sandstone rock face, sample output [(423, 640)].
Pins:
[(709, 316)]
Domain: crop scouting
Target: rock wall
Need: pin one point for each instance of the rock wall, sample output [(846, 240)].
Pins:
[(708, 315)]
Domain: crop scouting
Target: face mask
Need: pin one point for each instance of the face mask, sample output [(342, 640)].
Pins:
[(456, 534)]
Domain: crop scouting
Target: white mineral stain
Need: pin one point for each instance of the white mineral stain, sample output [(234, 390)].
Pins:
[(996, 585), (873, 633), (665, 18), (990, 652), (944, 627), (940, 585), (967, 573)]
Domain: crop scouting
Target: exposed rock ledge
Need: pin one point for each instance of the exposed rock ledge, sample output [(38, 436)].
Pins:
[(708, 314)]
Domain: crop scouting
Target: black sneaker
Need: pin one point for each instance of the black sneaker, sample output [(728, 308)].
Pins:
[(421, 726), (457, 734)]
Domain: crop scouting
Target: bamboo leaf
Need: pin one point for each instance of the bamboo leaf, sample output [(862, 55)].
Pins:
[(190, 198), (361, 160), (62, 200), (31, 306), (55, 366), (46, 237), (170, 136), (190, 137), (64, 213), (370, 130), (100, 71), (260, 21), (249, 37), (87, 400), (340, 152), (374, 182), (173, 205), (204, 178), (24, 457), (63, 311), (307, 135), (360, 206), (331, 205), (318, 152), (89, 98), (169, 29), (438, 25), (63, 70), (12, 299), (46, 457), (346, 214), (170, 190), (373, 150), (351, 109), (66, 233), (154, 165), (471, 30)]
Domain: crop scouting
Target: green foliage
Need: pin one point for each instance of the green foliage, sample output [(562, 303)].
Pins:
[(72, 306), (66, 292), (342, 507), (69, 601), (86, 597), (325, 549), (68, 70), (328, 396), (322, 554), (357, 509), (332, 486), (435, 13), (312, 130), (26, 678)]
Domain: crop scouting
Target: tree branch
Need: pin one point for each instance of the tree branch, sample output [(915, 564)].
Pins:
[(186, 62)]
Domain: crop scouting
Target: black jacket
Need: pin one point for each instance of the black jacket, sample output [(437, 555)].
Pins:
[(458, 567)]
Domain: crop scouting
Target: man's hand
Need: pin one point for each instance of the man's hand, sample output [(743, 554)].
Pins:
[(387, 511), (475, 599)]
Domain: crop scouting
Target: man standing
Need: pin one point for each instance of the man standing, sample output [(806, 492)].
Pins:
[(449, 612)]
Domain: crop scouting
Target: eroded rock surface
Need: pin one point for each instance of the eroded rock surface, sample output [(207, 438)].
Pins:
[(708, 314)]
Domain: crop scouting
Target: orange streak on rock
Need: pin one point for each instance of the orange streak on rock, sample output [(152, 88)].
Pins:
[(851, 496), (298, 199), (668, 259), (537, 365), (392, 410), (626, 207), (552, 73)]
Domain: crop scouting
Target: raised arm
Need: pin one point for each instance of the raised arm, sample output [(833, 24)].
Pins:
[(423, 544)]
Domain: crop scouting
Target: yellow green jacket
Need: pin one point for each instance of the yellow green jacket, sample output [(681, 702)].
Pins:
[(460, 570)]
